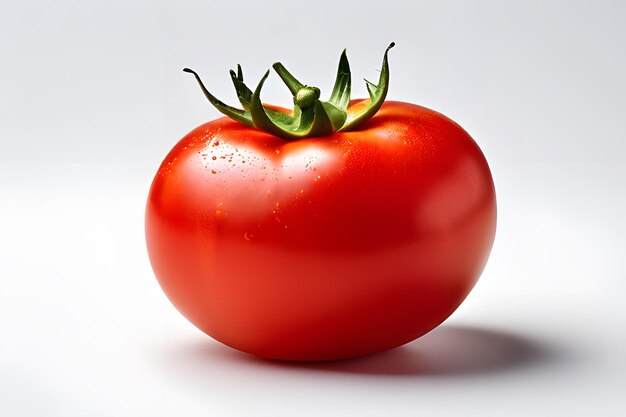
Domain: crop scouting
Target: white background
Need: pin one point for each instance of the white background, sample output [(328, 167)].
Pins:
[(92, 97)]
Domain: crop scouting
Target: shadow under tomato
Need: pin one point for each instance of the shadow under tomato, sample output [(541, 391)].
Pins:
[(445, 352)]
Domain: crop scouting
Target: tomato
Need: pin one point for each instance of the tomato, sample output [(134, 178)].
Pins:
[(323, 247)]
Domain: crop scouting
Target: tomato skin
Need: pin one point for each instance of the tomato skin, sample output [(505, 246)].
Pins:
[(322, 248)]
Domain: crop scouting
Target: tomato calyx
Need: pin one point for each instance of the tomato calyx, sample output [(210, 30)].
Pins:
[(311, 116)]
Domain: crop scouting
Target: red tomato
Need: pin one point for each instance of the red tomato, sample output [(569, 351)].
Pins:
[(322, 248)]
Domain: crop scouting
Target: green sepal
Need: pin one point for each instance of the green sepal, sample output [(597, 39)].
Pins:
[(310, 116), (340, 97), (377, 93), (243, 92), (336, 116), (232, 112)]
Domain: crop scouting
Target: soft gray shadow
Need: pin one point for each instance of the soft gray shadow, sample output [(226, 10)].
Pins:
[(446, 351)]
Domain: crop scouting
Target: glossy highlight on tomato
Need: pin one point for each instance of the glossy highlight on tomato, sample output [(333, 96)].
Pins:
[(323, 247)]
